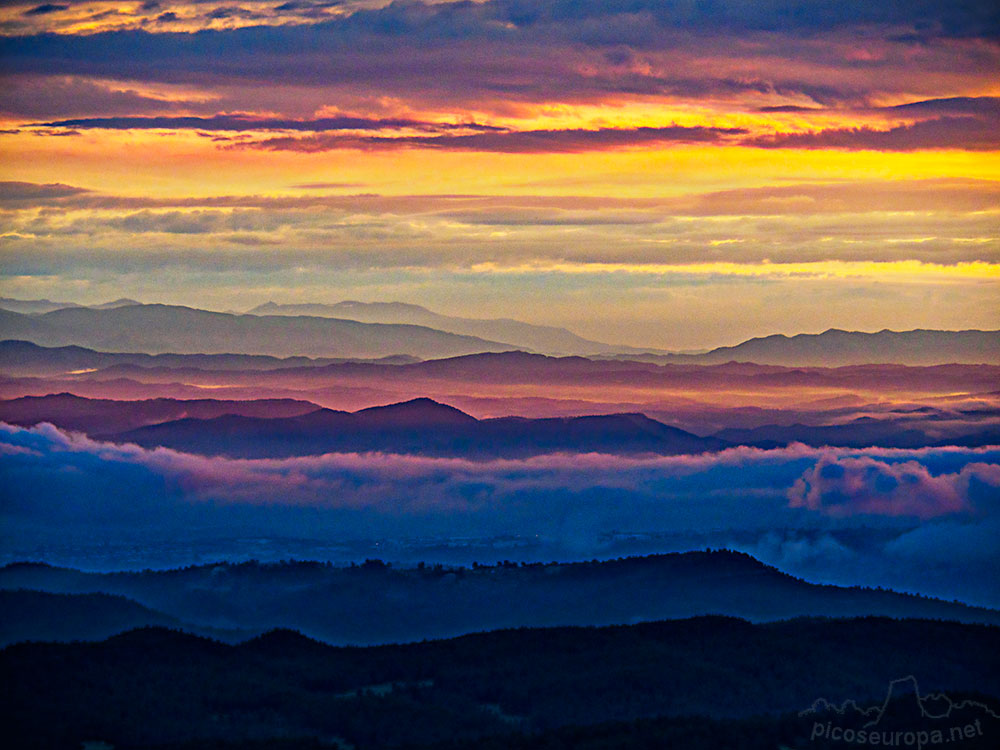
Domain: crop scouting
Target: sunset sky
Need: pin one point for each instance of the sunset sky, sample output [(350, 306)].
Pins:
[(670, 174)]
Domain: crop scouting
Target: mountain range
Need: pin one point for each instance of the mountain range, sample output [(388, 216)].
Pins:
[(30, 306), (378, 329), (156, 329), (506, 367), (292, 426), (507, 374), (836, 348), (420, 426)]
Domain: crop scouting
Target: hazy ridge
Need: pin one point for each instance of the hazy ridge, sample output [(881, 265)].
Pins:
[(380, 329), (157, 329)]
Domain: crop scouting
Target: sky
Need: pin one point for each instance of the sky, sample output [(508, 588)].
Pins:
[(677, 174)]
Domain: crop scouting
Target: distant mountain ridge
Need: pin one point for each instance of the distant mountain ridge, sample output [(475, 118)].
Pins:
[(540, 338), (366, 330), (836, 348), (515, 367), (861, 433), (420, 426), (27, 357), (34, 306), (156, 329), (29, 306)]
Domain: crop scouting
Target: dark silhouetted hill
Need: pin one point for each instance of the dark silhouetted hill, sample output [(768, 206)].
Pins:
[(510, 688), (376, 603)]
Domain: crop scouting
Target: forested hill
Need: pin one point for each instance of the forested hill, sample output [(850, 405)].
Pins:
[(159, 688)]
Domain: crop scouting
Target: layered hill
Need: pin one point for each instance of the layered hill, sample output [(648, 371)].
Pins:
[(521, 368), (196, 424), (369, 330), (420, 426), (376, 603), (30, 306), (866, 432), (155, 329), (42, 616)]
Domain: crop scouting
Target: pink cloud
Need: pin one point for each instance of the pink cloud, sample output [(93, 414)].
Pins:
[(841, 486)]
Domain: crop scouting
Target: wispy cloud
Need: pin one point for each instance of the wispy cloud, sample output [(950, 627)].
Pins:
[(513, 142), (243, 123), (25, 192), (967, 133), (45, 9)]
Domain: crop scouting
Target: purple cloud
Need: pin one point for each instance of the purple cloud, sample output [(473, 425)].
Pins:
[(31, 192), (966, 133), (955, 105), (515, 142), (45, 9), (242, 123), (841, 486)]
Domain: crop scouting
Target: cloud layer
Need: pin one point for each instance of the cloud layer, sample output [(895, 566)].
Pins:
[(828, 514), (925, 483)]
